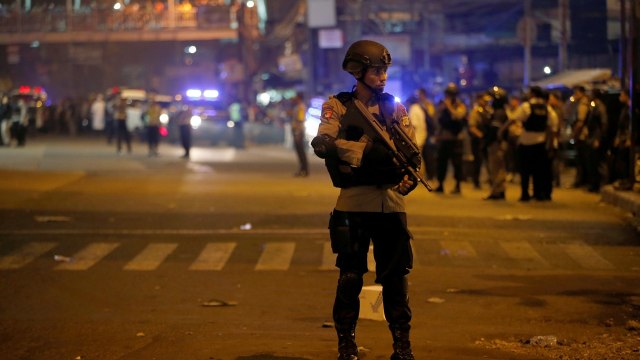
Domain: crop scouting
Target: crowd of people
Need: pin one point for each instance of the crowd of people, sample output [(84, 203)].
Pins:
[(531, 136)]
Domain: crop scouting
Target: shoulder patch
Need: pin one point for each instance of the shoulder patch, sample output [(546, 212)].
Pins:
[(327, 111)]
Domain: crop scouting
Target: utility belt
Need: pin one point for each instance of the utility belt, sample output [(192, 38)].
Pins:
[(350, 232)]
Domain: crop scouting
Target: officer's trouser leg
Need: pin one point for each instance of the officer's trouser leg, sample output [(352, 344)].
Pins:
[(398, 313), (345, 313)]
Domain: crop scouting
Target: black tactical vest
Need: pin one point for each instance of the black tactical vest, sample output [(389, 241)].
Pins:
[(352, 127), (537, 121), (447, 123)]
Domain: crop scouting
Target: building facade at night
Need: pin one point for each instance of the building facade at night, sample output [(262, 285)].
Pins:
[(244, 47)]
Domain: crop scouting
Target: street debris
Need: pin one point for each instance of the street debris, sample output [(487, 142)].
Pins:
[(197, 168), (140, 334), (217, 303), (514, 217), (328, 324), (543, 340), (435, 300), (246, 226), (45, 218), (632, 325), (605, 346), (61, 258)]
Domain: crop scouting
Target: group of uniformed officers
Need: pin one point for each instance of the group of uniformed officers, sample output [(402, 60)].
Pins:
[(370, 207)]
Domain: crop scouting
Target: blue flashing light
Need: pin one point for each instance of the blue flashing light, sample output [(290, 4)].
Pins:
[(211, 94), (194, 93)]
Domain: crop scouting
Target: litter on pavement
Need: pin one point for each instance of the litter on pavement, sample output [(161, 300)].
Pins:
[(216, 302)]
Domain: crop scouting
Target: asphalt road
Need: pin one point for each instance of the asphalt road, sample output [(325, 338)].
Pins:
[(226, 257)]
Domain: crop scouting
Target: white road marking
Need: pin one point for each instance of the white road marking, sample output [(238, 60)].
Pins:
[(214, 256), (276, 256), (328, 261), (587, 257), (457, 249), (522, 251), (25, 255), (88, 256), (151, 257)]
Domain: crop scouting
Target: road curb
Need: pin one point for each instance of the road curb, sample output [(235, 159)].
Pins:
[(625, 200)]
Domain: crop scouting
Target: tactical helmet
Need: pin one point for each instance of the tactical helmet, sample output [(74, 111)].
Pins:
[(451, 89), (499, 96), (363, 54)]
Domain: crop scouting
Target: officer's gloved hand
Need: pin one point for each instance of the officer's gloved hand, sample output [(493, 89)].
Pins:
[(376, 154), (407, 185), (324, 146)]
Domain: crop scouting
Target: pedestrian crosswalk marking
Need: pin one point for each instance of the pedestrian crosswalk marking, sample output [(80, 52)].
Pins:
[(458, 249), (280, 255), (524, 252), (328, 261), (88, 256), (371, 260), (587, 257), (214, 256), (151, 257), (276, 256), (25, 255)]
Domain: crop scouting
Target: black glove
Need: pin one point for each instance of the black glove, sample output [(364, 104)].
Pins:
[(324, 146)]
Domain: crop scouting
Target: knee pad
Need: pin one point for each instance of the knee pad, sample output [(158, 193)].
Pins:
[(349, 286)]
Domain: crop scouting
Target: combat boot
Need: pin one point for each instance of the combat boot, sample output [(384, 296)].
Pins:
[(401, 345), (347, 348)]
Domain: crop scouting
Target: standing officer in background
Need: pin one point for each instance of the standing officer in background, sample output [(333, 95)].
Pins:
[(596, 129), (298, 117), (580, 133), (557, 104), (370, 206), (479, 120), (451, 118), (422, 114), (184, 126), (153, 127), (539, 121), (122, 132), (496, 142)]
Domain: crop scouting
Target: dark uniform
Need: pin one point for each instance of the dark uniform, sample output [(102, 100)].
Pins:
[(451, 119), (497, 145), (539, 120), (596, 129), (298, 131), (370, 207)]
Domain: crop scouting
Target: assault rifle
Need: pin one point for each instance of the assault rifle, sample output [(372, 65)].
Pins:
[(405, 153)]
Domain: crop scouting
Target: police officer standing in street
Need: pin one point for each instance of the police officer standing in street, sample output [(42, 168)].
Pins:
[(298, 113), (496, 142), (539, 121), (452, 114), (370, 207)]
